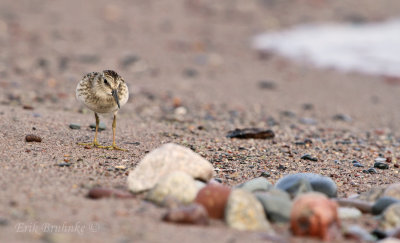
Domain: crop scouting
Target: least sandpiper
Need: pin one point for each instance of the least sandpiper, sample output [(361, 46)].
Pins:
[(103, 93)]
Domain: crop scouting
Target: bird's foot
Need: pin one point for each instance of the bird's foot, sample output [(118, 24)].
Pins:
[(112, 147), (93, 144)]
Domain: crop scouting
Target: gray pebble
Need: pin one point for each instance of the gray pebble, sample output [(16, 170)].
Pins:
[(102, 126), (317, 182), (277, 205), (256, 184), (74, 126), (381, 165), (382, 203)]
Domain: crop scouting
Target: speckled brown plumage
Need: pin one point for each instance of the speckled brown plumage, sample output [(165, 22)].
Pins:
[(104, 92)]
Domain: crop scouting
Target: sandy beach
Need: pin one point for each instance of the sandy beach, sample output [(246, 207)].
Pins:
[(193, 76)]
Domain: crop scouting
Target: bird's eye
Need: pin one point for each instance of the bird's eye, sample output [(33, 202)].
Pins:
[(105, 81)]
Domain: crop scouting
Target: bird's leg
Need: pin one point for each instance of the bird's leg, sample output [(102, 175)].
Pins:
[(95, 142), (114, 145), (114, 126)]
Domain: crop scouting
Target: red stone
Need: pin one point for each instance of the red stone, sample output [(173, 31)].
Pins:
[(214, 198), (314, 215)]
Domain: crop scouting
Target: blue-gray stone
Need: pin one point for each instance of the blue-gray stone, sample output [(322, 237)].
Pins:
[(317, 182), (382, 203), (74, 126), (256, 184), (277, 205), (102, 126)]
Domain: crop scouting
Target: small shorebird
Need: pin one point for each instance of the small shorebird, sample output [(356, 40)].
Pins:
[(103, 92)]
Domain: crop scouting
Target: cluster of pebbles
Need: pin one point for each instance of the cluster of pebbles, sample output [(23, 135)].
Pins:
[(300, 204)]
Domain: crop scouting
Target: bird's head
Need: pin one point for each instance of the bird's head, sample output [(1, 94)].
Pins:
[(110, 83)]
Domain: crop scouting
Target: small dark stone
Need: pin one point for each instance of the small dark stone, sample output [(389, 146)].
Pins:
[(27, 107), (74, 126), (309, 157), (288, 113), (372, 171), (133, 143), (4, 221), (265, 174), (33, 138), (102, 126), (379, 234), (308, 106), (89, 58), (99, 192), (64, 164), (382, 203), (358, 165), (342, 117), (255, 133), (281, 167), (266, 84), (190, 72), (381, 165), (129, 60)]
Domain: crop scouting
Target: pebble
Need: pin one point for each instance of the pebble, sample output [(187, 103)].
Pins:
[(293, 182), (363, 206), (33, 138), (102, 126), (64, 164), (214, 198), (244, 212), (348, 213), (255, 133), (308, 121), (342, 117), (177, 184), (313, 214), (355, 232), (187, 214), (277, 205), (100, 192), (74, 126), (309, 157), (391, 217), (370, 171), (381, 165), (393, 191), (256, 184), (266, 84), (358, 164), (129, 60), (164, 160), (382, 203)]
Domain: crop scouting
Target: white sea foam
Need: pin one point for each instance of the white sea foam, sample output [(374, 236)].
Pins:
[(368, 48)]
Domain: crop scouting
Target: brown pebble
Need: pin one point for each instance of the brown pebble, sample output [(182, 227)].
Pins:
[(214, 198), (27, 107), (33, 138), (190, 214), (99, 192), (255, 133)]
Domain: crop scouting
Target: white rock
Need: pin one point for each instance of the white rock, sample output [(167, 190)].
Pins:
[(178, 185), (164, 160), (349, 213)]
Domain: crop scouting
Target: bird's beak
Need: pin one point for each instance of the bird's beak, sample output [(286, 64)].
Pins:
[(115, 95)]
